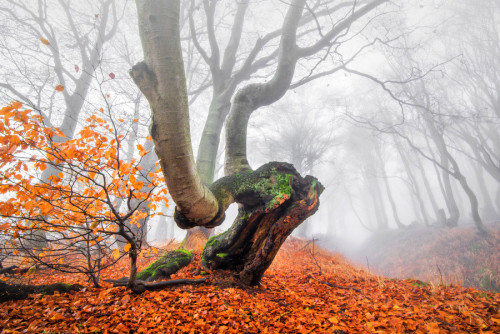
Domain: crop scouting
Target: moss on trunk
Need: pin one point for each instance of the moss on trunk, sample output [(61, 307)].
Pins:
[(168, 264)]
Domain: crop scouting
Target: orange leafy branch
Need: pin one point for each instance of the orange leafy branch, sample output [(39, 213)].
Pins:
[(76, 210)]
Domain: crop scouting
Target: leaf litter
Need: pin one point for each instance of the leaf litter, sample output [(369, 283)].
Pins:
[(306, 290)]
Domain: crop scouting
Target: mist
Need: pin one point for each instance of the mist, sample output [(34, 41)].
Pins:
[(398, 116)]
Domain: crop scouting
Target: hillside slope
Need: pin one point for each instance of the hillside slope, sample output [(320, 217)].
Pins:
[(437, 254), (306, 290)]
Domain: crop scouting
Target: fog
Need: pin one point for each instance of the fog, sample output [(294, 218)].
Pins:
[(398, 116)]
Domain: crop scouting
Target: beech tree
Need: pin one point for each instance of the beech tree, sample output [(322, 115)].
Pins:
[(79, 209), (41, 47), (273, 199)]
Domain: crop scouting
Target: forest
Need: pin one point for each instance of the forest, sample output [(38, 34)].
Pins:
[(250, 166)]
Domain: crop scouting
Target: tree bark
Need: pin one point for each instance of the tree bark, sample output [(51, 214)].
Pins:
[(274, 200), (162, 80), (388, 190), (254, 96), (445, 162), (413, 181), (19, 291)]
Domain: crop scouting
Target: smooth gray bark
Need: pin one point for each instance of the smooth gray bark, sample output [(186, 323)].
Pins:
[(162, 80)]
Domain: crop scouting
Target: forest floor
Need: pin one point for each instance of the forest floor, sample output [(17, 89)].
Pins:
[(440, 255), (306, 290)]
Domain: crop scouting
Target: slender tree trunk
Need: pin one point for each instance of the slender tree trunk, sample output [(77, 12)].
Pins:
[(470, 194), (443, 154), (439, 180), (133, 268), (430, 193), (389, 192), (497, 199), (413, 181), (376, 197)]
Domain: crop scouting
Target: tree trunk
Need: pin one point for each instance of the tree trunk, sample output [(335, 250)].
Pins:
[(375, 196), (470, 194), (19, 291), (167, 265), (413, 181), (162, 80), (445, 163), (432, 199), (274, 200), (497, 199), (440, 213), (389, 192)]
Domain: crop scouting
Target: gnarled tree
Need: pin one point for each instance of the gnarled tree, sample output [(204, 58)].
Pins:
[(273, 199)]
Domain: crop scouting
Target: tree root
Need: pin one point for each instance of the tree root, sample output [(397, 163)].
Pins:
[(8, 270), (141, 286), (20, 291), (12, 270)]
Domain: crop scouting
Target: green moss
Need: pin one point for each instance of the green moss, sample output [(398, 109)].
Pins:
[(271, 185), (214, 240), (169, 263), (222, 255), (184, 251), (281, 191), (61, 287)]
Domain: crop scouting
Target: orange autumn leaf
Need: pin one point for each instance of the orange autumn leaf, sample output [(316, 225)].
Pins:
[(127, 247), (116, 253), (59, 88), (44, 41), (142, 151)]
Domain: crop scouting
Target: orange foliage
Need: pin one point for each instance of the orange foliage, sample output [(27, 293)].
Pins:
[(293, 298), (77, 202)]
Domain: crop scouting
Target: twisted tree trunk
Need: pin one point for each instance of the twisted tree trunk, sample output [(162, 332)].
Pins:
[(273, 200)]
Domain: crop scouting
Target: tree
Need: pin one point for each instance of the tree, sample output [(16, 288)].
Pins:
[(79, 209), (273, 199), (251, 55), (44, 48)]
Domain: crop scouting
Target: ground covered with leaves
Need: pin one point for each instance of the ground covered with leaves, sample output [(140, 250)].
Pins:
[(306, 290)]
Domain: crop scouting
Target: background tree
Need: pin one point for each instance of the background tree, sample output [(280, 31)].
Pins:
[(251, 55)]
